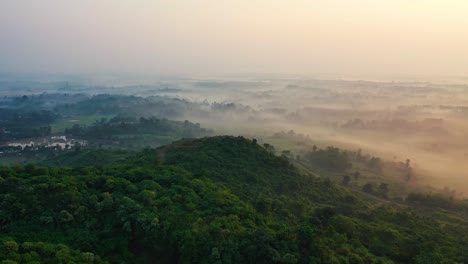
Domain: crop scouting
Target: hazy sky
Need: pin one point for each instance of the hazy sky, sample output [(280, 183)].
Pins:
[(226, 36)]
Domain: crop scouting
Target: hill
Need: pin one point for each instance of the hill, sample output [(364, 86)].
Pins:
[(246, 168), (211, 200)]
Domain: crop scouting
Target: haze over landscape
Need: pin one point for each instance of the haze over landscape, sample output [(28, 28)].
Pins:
[(344, 38), (202, 131)]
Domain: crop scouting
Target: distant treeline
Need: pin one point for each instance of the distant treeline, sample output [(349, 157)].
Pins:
[(18, 124), (131, 130)]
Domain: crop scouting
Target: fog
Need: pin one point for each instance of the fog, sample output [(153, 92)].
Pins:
[(422, 121), (426, 122), (388, 77), (234, 131)]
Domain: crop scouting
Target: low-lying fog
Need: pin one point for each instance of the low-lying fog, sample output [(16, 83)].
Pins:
[(426, 122)]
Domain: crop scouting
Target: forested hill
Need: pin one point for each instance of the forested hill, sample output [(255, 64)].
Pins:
[(243, 166), (210, 200)]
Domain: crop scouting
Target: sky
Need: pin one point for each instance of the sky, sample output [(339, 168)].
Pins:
[(425, 37)]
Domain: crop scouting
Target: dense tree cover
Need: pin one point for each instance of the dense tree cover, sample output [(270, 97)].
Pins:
[(122, 131), (125, 131), (437, 200), (87, 157), (12, 252), (17, 118), (17, 124), (39, 102), (136, 215), (34, 116), (265, 177), (240, 164), (330, 158), (102, 104), (374, 163), (162, 107), (76, 105), (54, 155), (211, 200)]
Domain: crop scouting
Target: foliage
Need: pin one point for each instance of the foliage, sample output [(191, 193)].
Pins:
[(124, 131), (330, 158), (210, 200), (88, 157), (39, 252), (17, 124)]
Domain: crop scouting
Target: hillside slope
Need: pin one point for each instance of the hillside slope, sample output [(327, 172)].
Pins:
[(246, 168), (211, 200)]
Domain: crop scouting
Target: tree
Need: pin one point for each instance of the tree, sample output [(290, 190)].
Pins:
[(269, 148), (368, 188), (346, 180), (383, 190), (77, 147), (407, 163), (376, 164), (330, 158), (359, 154), (356, 175), (286, 153)]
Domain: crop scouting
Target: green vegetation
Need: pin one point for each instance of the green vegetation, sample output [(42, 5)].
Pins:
[(212, 200), (129, 132), (16, 124), (330, 158), (40, 252), (65, 122), (37, 128), (88, 157), (353, 169)]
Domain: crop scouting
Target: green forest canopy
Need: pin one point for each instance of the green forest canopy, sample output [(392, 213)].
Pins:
[(213, 200)]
